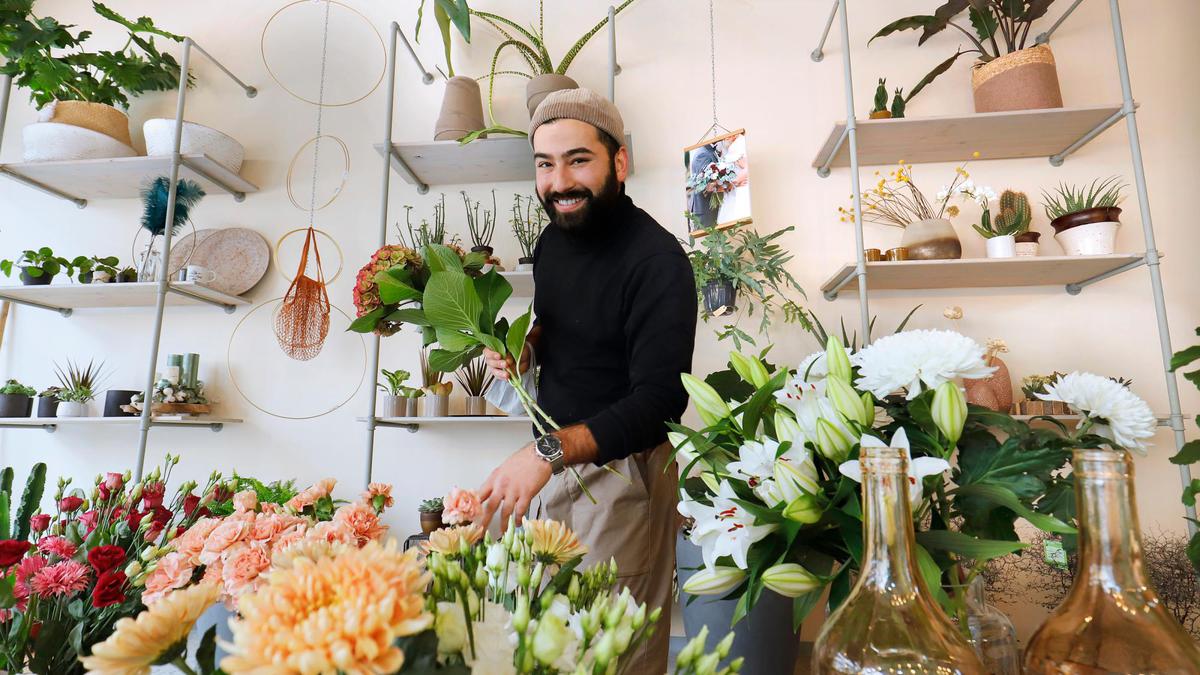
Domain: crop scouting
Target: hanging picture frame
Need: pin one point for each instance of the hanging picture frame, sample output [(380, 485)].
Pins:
[(717, 183)]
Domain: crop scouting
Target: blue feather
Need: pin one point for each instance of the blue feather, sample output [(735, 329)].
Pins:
[(154, 204)]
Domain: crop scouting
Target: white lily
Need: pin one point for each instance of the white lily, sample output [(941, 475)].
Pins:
[(918, 468), (756, 466), (723, 529)]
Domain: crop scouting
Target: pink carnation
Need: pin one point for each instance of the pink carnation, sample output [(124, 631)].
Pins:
[(173, 571), (246, 500), (191, 542), (324, 487), (65, 578), (379, 490), (56, 545), (29, 567), (461, 507), (243, 567), (289, 536), (222, 537), (333, 533), (360, 520), (302, 500)]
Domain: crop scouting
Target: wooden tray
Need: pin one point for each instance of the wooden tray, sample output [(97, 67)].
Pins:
[(174, 409)]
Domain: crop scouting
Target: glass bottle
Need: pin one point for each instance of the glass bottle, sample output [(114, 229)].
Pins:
[(1112, 620), (992, 632), (890, 623)]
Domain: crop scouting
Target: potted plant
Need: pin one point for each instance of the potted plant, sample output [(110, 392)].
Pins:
[(528, 220), (1085, 218), (729, 262), (1027, 244), (16, 399), (128, 274), (38, 268), (78, 388), (77, 88), (462, 104), (1013, 219), (1031, 386), (437, 392), (896, 201), (395, 393), (430, 511), (425, 234), (476, 379), (481, 228), (1007, 75), (47, 405), (100, 270)]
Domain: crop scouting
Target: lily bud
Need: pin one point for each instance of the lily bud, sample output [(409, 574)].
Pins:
[(707, 664), (750, 368), (803, 509), (837, 360), (795, 481), (706, 398), (735, 666), (868, 402), (692, 650), (949, 410), (831, 442), (685, 452), (790, 580), (714, 581), (550, 639), (788, 429), (847, 401)]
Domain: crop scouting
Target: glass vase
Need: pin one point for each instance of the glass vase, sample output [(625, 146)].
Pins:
[(992, 633), (890, 623), (1112, 620)]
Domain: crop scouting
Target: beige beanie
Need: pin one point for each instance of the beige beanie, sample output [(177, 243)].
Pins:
[(584, 105)]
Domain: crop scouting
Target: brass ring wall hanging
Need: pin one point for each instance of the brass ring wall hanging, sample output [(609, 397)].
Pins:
[(262, 43), (279, 266), (175, 239), (291, 193)]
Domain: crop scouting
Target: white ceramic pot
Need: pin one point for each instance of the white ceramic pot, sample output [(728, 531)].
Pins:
[(51, 141), (1090, 239), (1027, 249), (72, 409), (197, 140), (1004, 246), (524, 267)]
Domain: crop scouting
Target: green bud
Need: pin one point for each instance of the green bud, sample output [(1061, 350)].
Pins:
[(749, 368), (520, 616), (481, 578), (705, 397), (573, 590), (639, 618), (868, 403), (837, 360), (692, 650), (523, 575), (655, 615), (831, 442), (623, 637), (949, 410), (787, 428), (735, 666), (791, 580), (714, 581), (133, 569), (707, 664), (803, 509), (604, 650), (847, 402), (535, 580), (724, 646)]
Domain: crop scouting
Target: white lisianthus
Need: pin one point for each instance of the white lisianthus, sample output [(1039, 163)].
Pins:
[(1117, 413), (918, 359), (918, 468), (451, 629), (723, 529), (495, 643)]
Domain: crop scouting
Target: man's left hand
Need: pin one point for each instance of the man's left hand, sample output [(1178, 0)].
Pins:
[(513, 485)]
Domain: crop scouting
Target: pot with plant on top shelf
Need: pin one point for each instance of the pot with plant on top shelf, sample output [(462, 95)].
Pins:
[(38, 268), (1085, 218), (95, 269)]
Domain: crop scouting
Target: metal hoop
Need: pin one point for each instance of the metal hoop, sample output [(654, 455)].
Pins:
[(292, 170), (279, 246)]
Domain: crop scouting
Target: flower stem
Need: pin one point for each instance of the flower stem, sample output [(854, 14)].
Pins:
[(183, 666)]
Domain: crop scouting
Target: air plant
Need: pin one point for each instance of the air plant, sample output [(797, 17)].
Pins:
[(475, 377), (481, 228), (155, 198)]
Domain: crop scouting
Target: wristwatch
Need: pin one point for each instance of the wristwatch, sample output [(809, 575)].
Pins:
[(549, 448)]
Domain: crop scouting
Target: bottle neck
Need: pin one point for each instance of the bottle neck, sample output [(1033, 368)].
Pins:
[(888, 561), (1110, 544)]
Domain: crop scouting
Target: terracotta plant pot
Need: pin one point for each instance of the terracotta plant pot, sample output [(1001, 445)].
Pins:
[(1023, 80), (542, 86), (881, 115), (994, 392), (932, 239), (95, 116), (1100, 214), (431, 521), (462, 110)]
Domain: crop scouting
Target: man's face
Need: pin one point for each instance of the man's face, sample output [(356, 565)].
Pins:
[(576, 177)]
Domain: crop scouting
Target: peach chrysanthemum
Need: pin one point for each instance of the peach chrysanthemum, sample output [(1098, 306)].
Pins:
[(448, 540), (553, 542), (137, 643), (340, 614), (310, 549)]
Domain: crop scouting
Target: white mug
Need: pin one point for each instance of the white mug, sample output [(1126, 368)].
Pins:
[(200, 274)]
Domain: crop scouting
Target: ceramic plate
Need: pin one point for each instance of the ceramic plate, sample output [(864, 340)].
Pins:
[(238, 256)]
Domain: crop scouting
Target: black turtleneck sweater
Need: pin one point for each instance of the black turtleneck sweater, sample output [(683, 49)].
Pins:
[(617, 307)]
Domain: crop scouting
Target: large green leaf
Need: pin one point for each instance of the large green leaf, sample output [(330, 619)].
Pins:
[(1183, 357), (921, 22), (983, 22), (451, 302), (516, 335), (440, 258), (367, 322), (753, 410), (395, 286), (933, 74), (493, 290), (803, 606), (1004, 497), (1188, 454), (943, 14), (966, 545), (409, 315), (445, 361), (932, 574), (455, 341)]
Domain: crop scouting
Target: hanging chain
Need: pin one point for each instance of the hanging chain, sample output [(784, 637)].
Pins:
[(712, 50), (312, 203)]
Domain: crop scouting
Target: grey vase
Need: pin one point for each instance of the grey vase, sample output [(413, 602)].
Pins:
[(764, 638)]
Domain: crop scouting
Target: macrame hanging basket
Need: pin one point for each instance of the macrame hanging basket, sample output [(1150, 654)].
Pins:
[(302, 318)]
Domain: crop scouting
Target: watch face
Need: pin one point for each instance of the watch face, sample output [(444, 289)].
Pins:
[(549, 446)]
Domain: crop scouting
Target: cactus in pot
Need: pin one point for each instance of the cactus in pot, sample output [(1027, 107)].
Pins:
[(1015, 213)]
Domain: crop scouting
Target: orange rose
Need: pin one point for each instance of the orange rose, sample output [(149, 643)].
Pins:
[(460, 507), (173, 571), (361, 520), (222, 537)]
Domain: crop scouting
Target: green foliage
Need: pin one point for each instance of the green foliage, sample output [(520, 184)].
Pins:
[(35, 485), (6, 481), (52, 62), (85, 265), (447, 13), (4, 522), (1013, 219), (275, 492), (394, 381), (79, 384), (13, 387), (1190, 452), (481, 226), (1068, 198), (757, 267), (401, 289), (155, 197), (37, 263)]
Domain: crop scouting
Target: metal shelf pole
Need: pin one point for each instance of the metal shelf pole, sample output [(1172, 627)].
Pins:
[(164, 282), (1152, 255), (852, 138)]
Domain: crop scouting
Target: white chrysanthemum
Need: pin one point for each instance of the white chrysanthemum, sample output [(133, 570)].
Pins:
[(914, 358), (1118, 414)]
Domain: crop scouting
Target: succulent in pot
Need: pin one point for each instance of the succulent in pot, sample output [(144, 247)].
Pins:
[(1085, 218), (16, 399), (47, 405), (395, 396), (79, 386), (430, 511)]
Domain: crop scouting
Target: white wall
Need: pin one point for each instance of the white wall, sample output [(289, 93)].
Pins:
[(767, 84)]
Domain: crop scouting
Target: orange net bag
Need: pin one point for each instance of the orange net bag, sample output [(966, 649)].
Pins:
[(302, 318)]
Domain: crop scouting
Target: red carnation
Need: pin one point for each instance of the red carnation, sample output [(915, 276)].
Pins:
[(11, 552), (133, 519), (106, 558), (221, 494), (110, 588), (70, 504), (40, 522), (152, 494), (190, 502)]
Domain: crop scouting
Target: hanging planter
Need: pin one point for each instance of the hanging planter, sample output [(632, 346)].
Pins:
[(720, 297)]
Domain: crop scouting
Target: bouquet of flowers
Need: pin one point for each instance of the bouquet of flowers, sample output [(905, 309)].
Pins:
[(714, 180), (770, 484), (70, 575)]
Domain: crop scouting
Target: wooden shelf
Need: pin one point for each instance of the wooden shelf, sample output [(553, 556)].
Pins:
[(51, 424), (124, 177), (488, 160), (522, 283), (1073, 272), (999, 135), (1163, 420), (412, 424), (70, 296)]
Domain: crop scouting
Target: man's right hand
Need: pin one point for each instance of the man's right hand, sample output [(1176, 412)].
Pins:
[(500, 366)]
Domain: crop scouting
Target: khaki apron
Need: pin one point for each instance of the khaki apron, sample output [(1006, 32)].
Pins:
[(632, 522)]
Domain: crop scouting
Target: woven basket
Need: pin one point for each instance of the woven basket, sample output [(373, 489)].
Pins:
[(95, 116), (196, 139), (1023, 80)]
